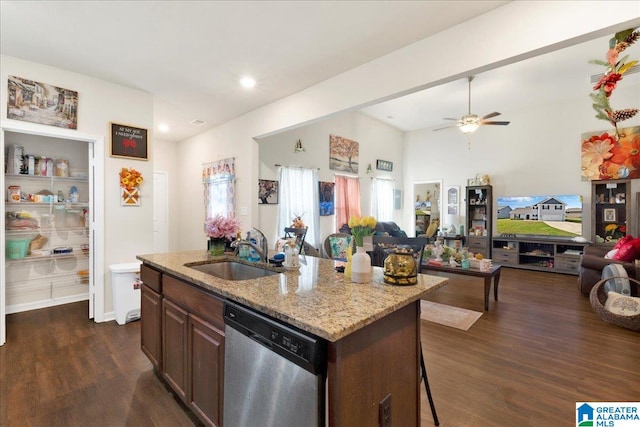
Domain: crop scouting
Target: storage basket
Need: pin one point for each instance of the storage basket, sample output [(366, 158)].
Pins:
[(16, 249), (598, 297)]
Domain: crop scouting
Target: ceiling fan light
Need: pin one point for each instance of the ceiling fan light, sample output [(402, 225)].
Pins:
[(469, 127), (469, 123)]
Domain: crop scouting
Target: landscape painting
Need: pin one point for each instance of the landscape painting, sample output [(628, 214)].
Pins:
[(42, 103), (343, 154)]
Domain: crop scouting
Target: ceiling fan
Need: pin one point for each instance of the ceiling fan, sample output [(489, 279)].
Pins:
[(470, 122)]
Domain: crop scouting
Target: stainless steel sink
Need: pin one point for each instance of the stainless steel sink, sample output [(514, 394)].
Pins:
[(233, 270)]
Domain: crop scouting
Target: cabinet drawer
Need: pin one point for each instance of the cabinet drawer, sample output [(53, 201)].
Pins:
[(152, 278), (194, 300), (478, 243), (567, 262), (505, 257)]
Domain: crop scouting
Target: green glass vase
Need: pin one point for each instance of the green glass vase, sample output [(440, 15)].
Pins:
[(216, 246)]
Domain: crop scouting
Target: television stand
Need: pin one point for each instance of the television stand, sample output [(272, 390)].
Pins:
[(539, 253)]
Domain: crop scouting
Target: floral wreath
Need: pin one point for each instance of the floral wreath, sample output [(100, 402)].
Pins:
[(615, 69)]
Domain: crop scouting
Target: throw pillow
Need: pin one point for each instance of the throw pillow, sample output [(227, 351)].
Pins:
[(622, 305), (612, 253), (622, 241), (339, 247), (629, 251)]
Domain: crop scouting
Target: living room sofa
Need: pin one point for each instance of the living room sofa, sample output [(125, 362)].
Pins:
[(591, 264)]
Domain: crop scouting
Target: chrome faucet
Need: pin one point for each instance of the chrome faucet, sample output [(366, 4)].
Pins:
[(263, 249)]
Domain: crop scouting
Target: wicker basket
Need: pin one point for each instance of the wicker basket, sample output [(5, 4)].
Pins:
[(598, 297)]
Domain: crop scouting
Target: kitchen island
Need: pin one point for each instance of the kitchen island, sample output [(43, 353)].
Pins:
[(372, 331)]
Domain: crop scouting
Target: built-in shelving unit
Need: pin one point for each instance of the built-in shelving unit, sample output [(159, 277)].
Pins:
[(542, 254), (43, 216), (479, 207), (612, 202)]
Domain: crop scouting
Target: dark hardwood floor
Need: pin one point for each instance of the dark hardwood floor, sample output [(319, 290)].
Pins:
[(525, 362)]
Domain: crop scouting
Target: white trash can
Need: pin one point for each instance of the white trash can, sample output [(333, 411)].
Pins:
[(125, 282)]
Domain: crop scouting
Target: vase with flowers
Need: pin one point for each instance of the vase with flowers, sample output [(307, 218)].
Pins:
[(361, 271), (221, 230)]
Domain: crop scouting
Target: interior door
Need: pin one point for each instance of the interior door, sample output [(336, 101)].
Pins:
[(160, 212)]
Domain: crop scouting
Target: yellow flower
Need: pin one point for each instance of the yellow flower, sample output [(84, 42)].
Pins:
[(353, 221), (611, 227)]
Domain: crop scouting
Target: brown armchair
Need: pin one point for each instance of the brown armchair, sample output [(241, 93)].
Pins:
[(591, 264)]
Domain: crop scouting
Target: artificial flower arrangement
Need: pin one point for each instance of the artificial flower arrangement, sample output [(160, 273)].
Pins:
[(362, 226), (615, 69), (130, 178), (221, 227), (615, 232)]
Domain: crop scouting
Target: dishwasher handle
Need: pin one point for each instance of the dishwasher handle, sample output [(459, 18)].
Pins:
[(261, 340)]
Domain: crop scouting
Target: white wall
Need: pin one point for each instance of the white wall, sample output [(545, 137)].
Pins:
[(376, 139), (509, 33), (128, 230), (537, 154)]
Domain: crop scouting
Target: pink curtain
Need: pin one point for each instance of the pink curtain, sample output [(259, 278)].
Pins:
[(347, 199)]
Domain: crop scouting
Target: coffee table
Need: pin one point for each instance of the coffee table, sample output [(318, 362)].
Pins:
[(492, 273)]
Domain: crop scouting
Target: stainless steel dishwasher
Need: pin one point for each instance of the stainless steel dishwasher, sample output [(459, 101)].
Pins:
[(274, 374)]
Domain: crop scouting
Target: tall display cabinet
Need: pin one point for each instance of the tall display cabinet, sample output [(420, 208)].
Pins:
[(479, 223), (49, 252), (611, 217)]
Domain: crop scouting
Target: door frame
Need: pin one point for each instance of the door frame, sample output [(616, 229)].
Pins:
[(412, 220), (96, 206)]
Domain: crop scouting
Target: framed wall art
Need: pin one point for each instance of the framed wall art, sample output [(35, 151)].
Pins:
[(343, 154), (384, 165), (129, 141), (42, 103), (609, 215), (267, 192), (327, 204)]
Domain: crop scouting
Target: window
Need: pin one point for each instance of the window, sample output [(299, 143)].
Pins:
[(219, 188), (382, 199), (347, 199), (299, 196)]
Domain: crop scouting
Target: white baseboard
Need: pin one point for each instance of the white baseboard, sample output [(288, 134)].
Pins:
[(17, 308)]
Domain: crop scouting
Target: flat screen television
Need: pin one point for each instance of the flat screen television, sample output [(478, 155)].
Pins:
[(545, 216)]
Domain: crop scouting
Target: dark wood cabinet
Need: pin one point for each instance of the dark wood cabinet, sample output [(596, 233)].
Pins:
[(185, 326), (174, 347), (611, 214), (206, 369), (479, 223), (151, 328)]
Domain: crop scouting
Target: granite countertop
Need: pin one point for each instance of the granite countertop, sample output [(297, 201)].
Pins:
[(314, 298)]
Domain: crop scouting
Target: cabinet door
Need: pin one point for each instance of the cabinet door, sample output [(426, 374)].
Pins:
[(151, 325), (174, 347), (206, 368)]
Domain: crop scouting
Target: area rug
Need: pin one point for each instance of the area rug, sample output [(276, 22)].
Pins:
[(455, 317)]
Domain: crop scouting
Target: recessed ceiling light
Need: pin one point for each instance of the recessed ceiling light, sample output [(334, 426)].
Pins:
[(248, 82), (163, 128)]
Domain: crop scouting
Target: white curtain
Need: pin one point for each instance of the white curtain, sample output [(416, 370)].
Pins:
[(299, 196), (382, 199)]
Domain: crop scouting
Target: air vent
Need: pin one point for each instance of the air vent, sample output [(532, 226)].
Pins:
[(197, 122), (594, 78)]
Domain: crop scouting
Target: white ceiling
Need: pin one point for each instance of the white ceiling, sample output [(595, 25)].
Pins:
[(190, 55)]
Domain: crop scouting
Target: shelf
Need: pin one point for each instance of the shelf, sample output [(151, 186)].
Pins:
[(79, 205), (30, 258), (46, 178), (47, 230)]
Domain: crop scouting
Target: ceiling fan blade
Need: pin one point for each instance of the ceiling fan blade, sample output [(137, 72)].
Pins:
[(494, 123), (449, 118), (490, 115), (448, 127)]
